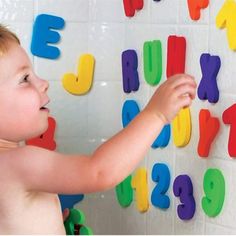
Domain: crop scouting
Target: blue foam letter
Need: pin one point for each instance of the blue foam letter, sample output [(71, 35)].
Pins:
[(42, 35)]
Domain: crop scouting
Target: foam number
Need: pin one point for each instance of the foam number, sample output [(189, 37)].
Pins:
[(163, 139), (226, 18), (139, 183), (130, 6), (46, 140), (208, 88), (81, 83), (176, 55), (74, 224), (208, 127), (195, 7), (214, 188), (183, 189), (182, 127), (124, 192), (44, 34), (229, 117), (129, 71), (160, 175), (152, 61)]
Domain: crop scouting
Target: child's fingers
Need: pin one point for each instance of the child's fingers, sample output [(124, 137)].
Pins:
[(178, 80), (186, 90), (185, 101), (65, 214)]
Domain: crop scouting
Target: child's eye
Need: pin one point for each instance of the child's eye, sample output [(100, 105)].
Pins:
[(25, 79)]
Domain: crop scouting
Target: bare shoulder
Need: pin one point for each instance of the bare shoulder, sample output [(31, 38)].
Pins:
[(25, 154), (38, 169), (26, 159)]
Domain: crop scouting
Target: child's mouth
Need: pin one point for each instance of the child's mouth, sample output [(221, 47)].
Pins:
[(44, 109)]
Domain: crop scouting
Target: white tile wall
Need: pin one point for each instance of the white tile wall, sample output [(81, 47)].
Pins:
[(84, 122)]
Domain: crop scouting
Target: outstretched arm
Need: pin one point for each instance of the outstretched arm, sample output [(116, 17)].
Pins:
[(43, 170)]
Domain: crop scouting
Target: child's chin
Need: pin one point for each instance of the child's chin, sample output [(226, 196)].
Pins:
[(42, 130)]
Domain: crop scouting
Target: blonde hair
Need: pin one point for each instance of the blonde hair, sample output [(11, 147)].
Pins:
[(6, 36)]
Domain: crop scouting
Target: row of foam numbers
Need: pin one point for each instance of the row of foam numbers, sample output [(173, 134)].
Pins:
[(212, 202)]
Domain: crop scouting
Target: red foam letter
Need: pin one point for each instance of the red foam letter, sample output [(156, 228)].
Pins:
[(131, 5), (45, 140), (175, 55), (208, 127), (194, 7), (229, 117)]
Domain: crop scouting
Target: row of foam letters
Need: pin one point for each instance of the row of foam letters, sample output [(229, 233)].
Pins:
[(194, 6), (226, 17), (208, 128), (45, 34), (176, 56)]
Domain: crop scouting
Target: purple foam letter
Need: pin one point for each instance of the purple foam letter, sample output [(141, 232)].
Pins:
[(208, 88), (129, 71)]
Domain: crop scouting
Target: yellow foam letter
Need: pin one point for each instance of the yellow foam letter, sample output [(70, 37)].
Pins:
[(226, 18), (139, 183), (181, 127), (81, 83)]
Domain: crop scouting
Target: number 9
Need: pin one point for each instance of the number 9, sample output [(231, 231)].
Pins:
[(214, 188)]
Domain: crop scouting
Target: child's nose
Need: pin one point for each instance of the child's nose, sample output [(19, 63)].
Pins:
[(44, 85)]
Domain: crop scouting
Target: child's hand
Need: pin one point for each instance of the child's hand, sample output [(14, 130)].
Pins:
[(175, 93), (65, 214)]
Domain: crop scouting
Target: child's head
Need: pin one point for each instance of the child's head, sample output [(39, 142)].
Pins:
[(6, 37), (22, 93)]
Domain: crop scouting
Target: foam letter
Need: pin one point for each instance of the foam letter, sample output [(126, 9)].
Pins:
[(131, 5), (139, 183), (81, 83), (44, 35), (129, 71), (229, 117), (129, 111), (176, 53), (68, 201), (208, 127), (163, 138), (182, 128), (152, 61), (208, 88), (195, 6), (74, 224), (226, 18), (46, 140)]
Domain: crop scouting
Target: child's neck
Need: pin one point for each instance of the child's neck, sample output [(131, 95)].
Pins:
[(6, 145)]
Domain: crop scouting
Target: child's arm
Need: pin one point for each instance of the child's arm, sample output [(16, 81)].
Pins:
[(43, 170)]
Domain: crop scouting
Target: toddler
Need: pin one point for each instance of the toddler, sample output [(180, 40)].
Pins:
[(31, 177)]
